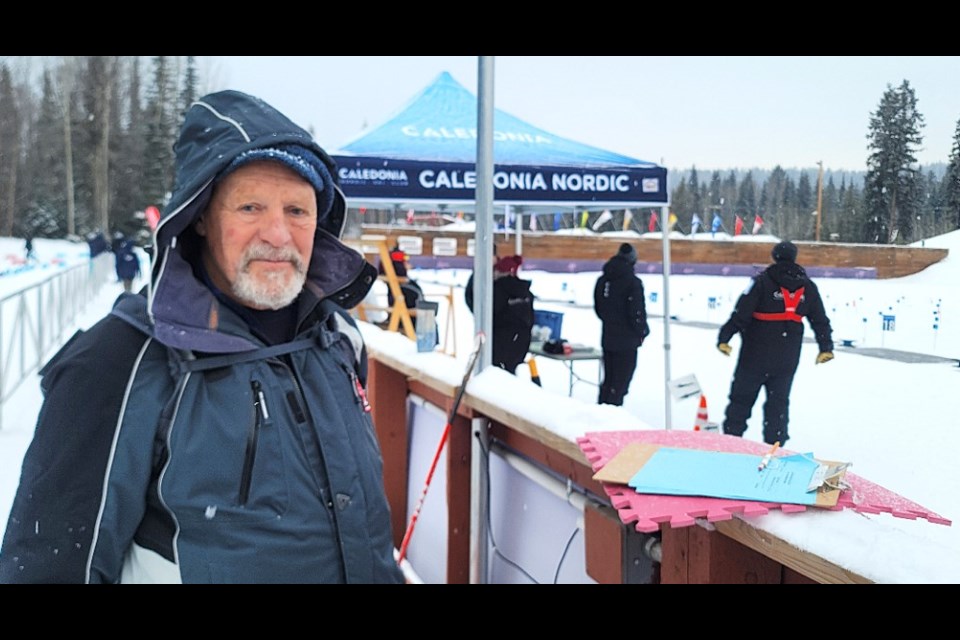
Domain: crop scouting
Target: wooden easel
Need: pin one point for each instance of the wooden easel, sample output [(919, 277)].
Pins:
[(400, 314)]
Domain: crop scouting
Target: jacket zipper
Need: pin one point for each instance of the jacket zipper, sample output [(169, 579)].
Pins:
[(359, 394), (260, 416)]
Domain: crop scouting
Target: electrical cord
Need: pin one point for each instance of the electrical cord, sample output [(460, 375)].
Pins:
[(496, 550), (493, 542), (563, 555)]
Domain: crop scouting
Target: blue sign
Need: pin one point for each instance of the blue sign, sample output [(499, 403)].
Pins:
[(711, 303), (889, 323), (653, 296), (398, 179)]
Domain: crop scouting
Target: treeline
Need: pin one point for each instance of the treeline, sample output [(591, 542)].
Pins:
[(788, 206), (898, 201), (86, 144)]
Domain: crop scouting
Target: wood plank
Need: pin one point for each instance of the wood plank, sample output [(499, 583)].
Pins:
[(458, 501), (603, 536), (806, 564), (716, 559), (387, 393), (890, 261)]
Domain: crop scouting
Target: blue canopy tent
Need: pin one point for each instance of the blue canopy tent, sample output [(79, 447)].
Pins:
[(426, 155)]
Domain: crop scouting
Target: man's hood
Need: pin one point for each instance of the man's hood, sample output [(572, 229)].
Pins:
[(216, 129), (787, 274), (618, 267)]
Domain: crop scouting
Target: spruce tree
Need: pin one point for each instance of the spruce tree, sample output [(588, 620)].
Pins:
[(890, 192), (728, 199), (774, 192), (747, 199), (46, 200), (162, 116), (951, 182), (128, 203), (831, 208), (188, 93), (680, 200), (803, 222), (9, 150), (696, 201)]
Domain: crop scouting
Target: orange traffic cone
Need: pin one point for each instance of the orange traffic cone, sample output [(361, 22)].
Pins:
[(701, 423)]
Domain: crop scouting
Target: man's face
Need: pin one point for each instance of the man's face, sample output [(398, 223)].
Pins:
[(259, 230)]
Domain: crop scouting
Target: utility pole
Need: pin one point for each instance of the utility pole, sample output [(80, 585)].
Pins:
[(819, 198)]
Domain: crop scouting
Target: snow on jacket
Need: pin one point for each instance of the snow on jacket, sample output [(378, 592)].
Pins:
[(148, 465), (774, 345), (618, 300)]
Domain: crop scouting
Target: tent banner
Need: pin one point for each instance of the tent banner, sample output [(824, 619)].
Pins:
[(409, 180)]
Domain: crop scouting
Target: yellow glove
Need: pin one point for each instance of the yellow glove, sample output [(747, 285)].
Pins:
[(726, 349), (824, 356)]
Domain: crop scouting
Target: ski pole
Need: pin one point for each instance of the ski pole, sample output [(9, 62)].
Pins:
[(443, 442)]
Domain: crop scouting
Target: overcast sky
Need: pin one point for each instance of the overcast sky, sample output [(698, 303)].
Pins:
[(712, 112)]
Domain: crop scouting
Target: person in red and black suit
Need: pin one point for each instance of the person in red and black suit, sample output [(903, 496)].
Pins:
[(769, 318)]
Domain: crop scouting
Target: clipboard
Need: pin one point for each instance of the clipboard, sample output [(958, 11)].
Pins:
[(793, 478)]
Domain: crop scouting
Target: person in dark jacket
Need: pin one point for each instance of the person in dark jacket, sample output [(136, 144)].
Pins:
[(411, 290), (127, 264), (98, 243), (512, 313), (769, 318), (618, 300), (214, 428)]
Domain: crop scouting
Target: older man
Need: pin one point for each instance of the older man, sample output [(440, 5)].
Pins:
[(217, 430)]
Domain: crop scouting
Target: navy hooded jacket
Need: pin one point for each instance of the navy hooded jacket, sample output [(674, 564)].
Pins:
[(773, 346), (618, 300), (174, 445)]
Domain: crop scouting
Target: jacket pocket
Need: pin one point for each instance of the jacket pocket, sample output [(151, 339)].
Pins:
[(260, 417)]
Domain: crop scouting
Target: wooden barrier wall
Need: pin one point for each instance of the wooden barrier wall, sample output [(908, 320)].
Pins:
[(890, 261)]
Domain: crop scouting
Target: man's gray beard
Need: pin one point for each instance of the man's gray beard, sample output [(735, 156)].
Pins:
[(269, 290)]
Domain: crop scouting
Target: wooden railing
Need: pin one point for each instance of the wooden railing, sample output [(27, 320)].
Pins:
[(724, 552)]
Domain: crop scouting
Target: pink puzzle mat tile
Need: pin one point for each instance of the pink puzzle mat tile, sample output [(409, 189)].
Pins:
[(649, 511)]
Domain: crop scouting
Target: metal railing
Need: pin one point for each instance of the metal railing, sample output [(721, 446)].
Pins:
[(35, 320)]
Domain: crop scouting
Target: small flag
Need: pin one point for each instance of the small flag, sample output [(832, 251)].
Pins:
[(409, 216), (738, 226), (153, 216), (627, 217), (602, 219), (695, 224), (533, 222), (757, 223), (671, 221), (717, 223), (583, 219), (557, 220), (653, 222)]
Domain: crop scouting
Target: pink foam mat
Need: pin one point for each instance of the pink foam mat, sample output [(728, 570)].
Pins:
[(649, 511)]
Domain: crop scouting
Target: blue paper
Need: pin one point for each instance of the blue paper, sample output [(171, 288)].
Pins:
[(717, 474)]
